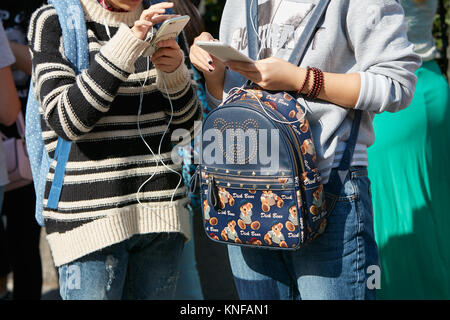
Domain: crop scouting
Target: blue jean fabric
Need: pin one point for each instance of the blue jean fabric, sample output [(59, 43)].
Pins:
[(332, 267), (144, 267), (189, 286)]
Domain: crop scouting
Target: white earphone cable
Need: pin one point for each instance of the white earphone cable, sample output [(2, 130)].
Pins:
[(158, 158), (236, 89)]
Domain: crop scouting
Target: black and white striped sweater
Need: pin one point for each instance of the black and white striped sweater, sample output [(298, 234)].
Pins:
[(97, 110)]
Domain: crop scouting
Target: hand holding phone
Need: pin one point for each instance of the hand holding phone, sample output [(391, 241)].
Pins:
[(152, 16), (169, 30)]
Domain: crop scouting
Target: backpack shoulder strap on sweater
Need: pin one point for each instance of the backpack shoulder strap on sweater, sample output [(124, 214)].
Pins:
[(71, 19), (303, 42)]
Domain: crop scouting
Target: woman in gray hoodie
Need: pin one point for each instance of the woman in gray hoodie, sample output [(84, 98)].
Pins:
[(367, 64)]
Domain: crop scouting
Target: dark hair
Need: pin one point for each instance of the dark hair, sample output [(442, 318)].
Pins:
[(195, 25)]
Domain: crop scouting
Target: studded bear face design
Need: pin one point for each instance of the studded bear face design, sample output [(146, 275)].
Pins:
[(241, 131)]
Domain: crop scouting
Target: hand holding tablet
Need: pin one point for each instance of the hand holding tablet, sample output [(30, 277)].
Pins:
[(223, 51)]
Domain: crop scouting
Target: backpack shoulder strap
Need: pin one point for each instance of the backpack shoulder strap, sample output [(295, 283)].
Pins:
[(71, 18), (303, 42), (308, 34)]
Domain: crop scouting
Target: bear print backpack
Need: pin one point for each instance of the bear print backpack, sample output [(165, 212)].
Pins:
[(246, 201)]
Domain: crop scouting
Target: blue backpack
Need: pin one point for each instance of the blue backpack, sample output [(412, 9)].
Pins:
[(246, 199), (71, 20)]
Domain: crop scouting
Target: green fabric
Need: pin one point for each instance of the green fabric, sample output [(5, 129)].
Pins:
[(409, 166)]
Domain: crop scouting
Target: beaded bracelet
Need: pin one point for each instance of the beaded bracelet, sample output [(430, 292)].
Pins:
[(305, 82), (318, 83)]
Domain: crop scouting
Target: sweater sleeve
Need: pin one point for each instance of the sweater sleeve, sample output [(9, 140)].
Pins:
[(72, 104), (377, 34)]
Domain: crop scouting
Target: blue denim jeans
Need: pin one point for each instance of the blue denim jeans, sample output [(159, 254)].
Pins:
[(332, 267), (142, 267)]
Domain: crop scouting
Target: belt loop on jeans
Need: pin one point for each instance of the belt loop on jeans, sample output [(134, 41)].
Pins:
[(359, 171)]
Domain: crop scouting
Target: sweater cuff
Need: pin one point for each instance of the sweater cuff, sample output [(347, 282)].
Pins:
[(124, 48), (175, 81), (211, 100), (375, 92)]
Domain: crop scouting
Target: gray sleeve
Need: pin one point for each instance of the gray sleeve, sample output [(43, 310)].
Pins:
[(6, 55), (377, 34)]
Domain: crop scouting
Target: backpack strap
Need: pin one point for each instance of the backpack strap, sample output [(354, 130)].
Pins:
[(303, 42), (71, 19), (307, 35), (339, 175), (351, 142)]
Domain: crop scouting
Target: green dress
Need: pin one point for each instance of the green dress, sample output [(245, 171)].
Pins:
[(409, 166)]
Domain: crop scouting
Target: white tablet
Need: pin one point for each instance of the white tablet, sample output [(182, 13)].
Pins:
[(223, 52)]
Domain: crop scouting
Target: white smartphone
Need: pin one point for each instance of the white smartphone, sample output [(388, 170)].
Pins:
[(169, 29), (222, 51)]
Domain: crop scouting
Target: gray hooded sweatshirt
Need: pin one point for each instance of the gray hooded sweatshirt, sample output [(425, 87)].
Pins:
[(357, 36)]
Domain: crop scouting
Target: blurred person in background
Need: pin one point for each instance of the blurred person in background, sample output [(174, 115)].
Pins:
[(410, 174), (22, 231), (196, 281), (9, 108), (189, 286)]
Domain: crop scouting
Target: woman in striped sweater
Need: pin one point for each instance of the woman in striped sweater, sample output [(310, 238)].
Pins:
[(109, 240)]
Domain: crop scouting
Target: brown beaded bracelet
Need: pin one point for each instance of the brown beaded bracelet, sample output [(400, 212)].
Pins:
[(318, 83), (305, 82)]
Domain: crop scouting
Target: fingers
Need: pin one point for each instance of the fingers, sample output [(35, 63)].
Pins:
[(167, 52), (250, 71), (156, 13), (171, 43), (204, 36), (161, 18), (143, 25), (165, 61), (168, 57), (153, 15), (169, 48), (200, 58), (159, 8), (203, 60), (240, 67)]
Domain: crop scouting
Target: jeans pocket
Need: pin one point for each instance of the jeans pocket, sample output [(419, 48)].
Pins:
[(330, 202)]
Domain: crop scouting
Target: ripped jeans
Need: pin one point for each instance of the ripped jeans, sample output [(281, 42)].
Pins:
[(144, 267)]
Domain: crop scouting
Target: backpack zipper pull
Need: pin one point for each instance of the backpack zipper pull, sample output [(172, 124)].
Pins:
[(213, 194), (194, 184)]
